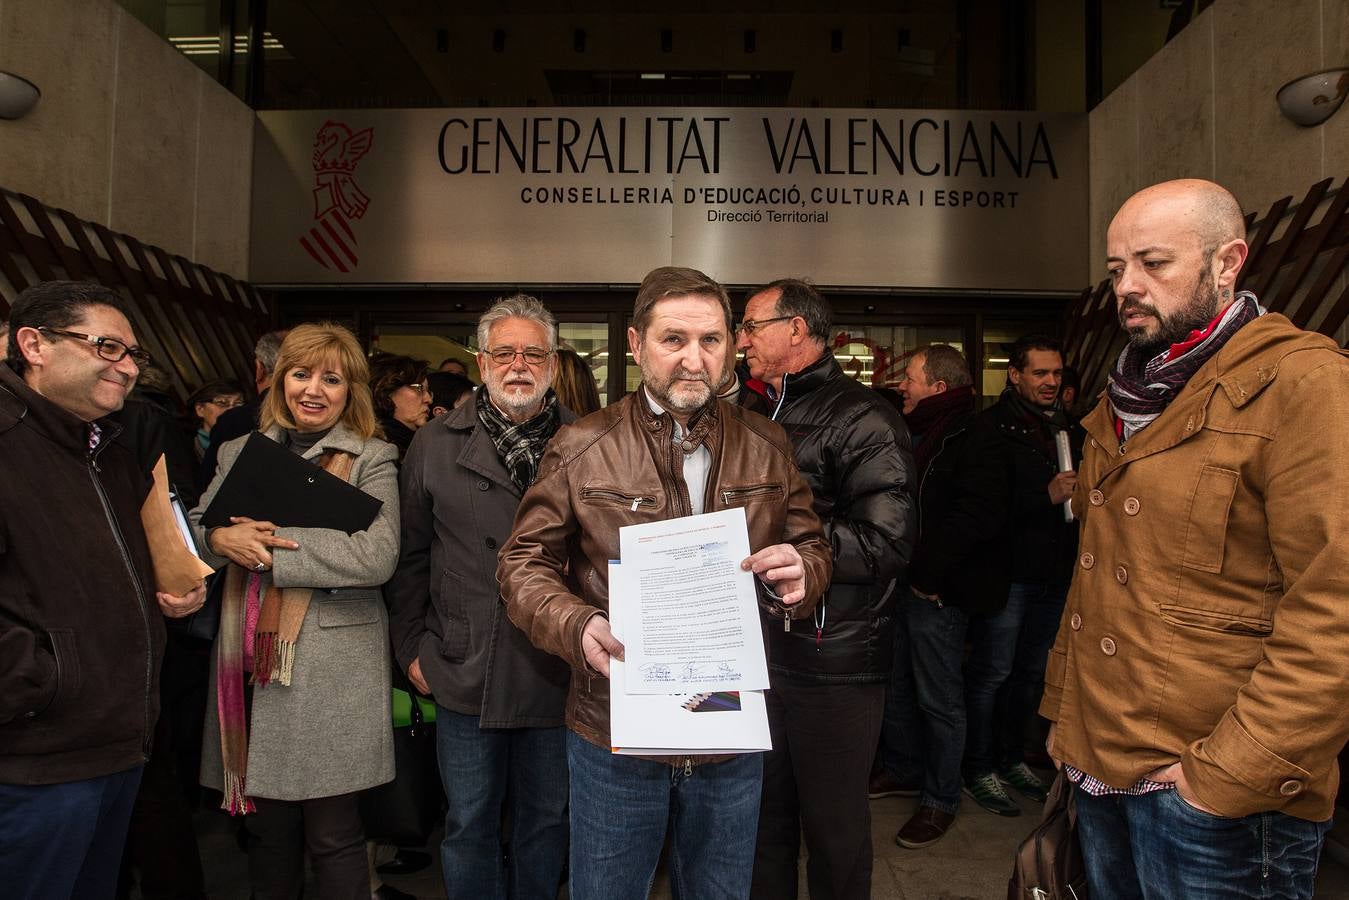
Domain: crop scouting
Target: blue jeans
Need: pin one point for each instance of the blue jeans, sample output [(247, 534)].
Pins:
[(1157, 847), (1019, 698), (481, 769), (621, 807), (923, 733), (1005, 674), (65, 840)]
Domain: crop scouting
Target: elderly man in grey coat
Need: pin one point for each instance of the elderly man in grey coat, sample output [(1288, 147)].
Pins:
[(499, 701)]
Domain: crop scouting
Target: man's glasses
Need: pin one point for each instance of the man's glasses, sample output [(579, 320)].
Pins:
[(110, 349), (505, 357), (749, 326)]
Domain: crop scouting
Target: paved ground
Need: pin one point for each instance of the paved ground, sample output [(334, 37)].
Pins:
[(971, 863)]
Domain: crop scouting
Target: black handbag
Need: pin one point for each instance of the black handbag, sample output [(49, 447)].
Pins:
[(406, 810), (205, 622), (1048, 864)]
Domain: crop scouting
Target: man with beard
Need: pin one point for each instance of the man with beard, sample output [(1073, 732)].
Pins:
[(1197, 679), (828, 694), (668, 449), (499, 701), (1012, 633)]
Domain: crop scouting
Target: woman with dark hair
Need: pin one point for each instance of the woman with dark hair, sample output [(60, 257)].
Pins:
[(402, 403), (299, 719)]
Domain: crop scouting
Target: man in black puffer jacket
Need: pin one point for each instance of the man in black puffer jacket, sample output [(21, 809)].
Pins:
[(828, 695)]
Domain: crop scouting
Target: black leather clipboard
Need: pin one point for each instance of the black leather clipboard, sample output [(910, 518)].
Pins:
[(270, 483)]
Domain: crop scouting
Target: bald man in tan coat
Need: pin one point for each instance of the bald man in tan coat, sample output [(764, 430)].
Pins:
[(1197, 684)]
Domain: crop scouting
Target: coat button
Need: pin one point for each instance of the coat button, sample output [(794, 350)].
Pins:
[(1290, 787), (1108, 646), (1096, 498), (1087, 560), (491, 543), (1122, 575), (1094, 445), (688, 446), (483, 485), (1131, 505), (1076, 622)]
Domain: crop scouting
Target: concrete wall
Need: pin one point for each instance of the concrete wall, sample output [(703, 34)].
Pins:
[(128, 132), (1204, 107)]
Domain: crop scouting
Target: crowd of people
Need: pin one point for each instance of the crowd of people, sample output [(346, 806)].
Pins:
[(956, 601)]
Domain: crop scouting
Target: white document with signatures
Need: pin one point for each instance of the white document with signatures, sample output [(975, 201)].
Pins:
[(679, 722), (691, 615)]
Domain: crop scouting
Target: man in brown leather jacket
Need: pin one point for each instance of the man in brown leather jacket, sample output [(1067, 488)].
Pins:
[(668, 449)]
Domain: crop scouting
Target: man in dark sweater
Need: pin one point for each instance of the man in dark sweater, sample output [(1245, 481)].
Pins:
[(80, 644)]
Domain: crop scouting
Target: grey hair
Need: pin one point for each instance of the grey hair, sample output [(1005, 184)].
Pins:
[(267, 349), (516, 306), (942, 362)]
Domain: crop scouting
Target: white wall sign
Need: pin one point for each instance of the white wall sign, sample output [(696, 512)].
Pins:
[(878, 198)]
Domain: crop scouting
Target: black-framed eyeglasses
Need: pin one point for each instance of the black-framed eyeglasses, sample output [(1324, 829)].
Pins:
[(503, 356), (226, 402), (749, 326), (110, 349)]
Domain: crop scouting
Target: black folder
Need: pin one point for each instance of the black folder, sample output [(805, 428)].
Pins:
[(271, 484)]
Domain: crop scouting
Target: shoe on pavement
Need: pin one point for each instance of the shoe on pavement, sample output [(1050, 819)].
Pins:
[(405, 862), (989, 793), (883, 784), (1025, 782), (927, 826)]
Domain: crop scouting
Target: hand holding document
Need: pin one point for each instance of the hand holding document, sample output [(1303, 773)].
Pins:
[(690, 613), (676, 723), (177, 568)]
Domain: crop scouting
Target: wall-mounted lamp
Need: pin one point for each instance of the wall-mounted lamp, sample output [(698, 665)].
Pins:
[(18, 95), (1312, 99)]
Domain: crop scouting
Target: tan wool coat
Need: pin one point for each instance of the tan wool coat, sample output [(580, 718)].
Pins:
[(1208, 620)]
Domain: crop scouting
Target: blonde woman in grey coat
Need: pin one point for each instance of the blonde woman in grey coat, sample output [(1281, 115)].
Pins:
[(298, 720)]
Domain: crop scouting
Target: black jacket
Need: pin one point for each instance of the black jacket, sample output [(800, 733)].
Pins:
[(853, 450), (986, 516), (1043, 544), (81, 635), (964, 503), (150, 427)]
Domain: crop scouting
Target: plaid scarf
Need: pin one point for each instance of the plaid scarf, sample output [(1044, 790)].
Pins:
[(259, 632), (520, 446), (1140, 389)]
